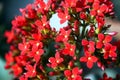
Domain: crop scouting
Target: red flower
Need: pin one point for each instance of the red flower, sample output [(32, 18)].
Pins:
[(42, 7), (63, 35), (29, 12), (98, 10), (36, 54), (109, 51), (55, 61), (19, 21), (37, 37), (21, 60), (83, 15), (64, 16), (69, 49), (85, 42), (73, 74), (41, 24), (9, 60), (31, 71), (100, 22), (103, 40), (105, 77), (81, 5), (70, 3), (89, 59), (24, 47), (17, 70), (37, 50), (23, 77), (88, 45), (36, 45), (10, 36)]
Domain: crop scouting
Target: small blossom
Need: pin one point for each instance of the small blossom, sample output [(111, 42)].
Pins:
[(73, 74), (70, 3), (64, 16), (63, 36), (41, 24), (109, 51), (24, 47), (55, 61), (19, 21), (103, 40), (98, 9), (9, 60), (10, 36), (36, 45), (17, 70), (89, 59), (42, 7), (31, 71), (69, 49), (21, 60)]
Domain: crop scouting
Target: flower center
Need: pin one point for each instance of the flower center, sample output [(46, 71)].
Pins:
[(89, 58)]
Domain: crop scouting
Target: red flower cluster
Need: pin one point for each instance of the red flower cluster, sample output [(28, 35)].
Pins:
[(38, 51)]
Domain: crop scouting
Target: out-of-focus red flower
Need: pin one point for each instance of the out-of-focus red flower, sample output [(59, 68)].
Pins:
[(105, 77), (9, 60), (10, 36), (17, 70), (21, 60), (19, 21), (31, 71)]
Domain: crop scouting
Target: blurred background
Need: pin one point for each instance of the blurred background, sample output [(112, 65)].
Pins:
[(10, 8)]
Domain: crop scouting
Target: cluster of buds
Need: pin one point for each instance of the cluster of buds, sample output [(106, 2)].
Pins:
[(39, 52)]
